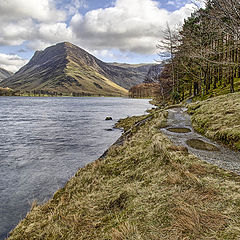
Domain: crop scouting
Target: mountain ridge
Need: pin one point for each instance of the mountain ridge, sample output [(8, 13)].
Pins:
[(70, 70), (4, 74)]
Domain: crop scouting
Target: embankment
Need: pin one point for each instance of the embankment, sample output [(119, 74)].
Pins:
[(218, 118), (146, 188)]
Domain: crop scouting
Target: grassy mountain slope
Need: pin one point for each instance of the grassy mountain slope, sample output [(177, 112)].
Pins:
[(6, 92), (145, 189), (87, 79), (68, 69), (44, 71), (219, 118)]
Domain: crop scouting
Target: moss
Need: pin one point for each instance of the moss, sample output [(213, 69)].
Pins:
[(237, 145), (218, 118)]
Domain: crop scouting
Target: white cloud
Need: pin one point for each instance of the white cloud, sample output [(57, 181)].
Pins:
[(181, 14), (12, 33), (129, 25), (56, 32), (43, 10), (45, 35), (20, 19), (178, 3), (199, 3), (11, 62), (171, 3), (103, 54)]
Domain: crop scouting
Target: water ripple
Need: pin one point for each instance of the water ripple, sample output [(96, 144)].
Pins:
[(44, 141)]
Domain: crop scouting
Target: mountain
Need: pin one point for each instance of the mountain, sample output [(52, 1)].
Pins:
[(4, 74), (150, 86), (67, 69), (154, 73), (140, 67)]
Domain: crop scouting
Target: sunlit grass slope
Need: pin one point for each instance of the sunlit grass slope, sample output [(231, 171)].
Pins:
[(88, 80), (145, 189), (219, 118)]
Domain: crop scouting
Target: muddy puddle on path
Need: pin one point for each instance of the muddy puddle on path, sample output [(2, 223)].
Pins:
[(180, 131)]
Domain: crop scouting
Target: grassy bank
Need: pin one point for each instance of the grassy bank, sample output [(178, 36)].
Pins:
[(218, 118), (145, 189), (219, 90)]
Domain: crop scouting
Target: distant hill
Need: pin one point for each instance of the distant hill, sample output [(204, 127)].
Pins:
[(4, 74), (154, 73), (67, 69), (140, 67), (157, 84)]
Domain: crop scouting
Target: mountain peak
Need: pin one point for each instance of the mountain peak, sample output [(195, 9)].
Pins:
[(62, 44), (68, 69), (68, 44)]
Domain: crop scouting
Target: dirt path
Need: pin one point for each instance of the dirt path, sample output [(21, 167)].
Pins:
[(180, 131)]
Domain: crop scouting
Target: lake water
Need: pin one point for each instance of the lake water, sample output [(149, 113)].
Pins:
[(44, 141)]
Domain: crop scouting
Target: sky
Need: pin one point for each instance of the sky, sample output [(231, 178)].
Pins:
[(112, 30)]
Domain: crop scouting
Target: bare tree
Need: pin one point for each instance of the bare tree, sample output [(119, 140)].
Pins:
[(227, 13), (168, 48)]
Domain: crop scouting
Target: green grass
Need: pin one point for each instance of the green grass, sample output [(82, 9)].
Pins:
[(220, 90), (129, 122), (88, 80), (218, 118), (145, 189)]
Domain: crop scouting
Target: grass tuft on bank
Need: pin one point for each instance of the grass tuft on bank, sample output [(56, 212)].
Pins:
[(218, 118), (145, 189)]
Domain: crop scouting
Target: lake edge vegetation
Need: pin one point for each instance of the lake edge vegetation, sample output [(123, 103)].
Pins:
[(146, 188)]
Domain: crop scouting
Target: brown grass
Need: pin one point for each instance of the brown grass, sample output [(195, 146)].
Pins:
[(146, 189), (219, 118)]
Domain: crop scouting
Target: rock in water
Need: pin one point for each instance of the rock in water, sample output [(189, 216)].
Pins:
[(108, 118)]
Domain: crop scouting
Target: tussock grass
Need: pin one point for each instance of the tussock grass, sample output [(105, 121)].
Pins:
[(129, 122), (145, 189), (218, 118)]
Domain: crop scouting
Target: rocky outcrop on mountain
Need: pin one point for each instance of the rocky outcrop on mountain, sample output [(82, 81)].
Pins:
[(153, 73)]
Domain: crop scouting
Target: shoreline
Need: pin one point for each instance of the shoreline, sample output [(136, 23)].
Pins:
[(119, 142), (126, 134), (135, 107), (116, 195), (94, 96)]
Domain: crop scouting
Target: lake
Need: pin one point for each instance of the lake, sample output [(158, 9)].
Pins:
[(44, 141)]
